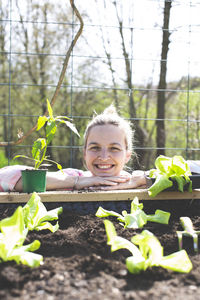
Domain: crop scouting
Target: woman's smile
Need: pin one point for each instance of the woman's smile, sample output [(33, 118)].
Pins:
[(104, 166)]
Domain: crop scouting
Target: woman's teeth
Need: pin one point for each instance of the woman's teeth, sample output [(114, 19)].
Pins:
[(104, 166)]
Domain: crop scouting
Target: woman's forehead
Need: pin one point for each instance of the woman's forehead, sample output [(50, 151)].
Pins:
[(109, 133)]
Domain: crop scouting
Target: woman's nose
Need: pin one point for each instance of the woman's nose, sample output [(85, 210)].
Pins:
[(104, 154)]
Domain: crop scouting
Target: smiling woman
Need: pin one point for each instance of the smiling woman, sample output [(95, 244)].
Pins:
[(105, 152), (107, 149)]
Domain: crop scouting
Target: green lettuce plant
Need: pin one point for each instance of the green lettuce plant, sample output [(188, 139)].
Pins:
[(36, 216), (168, 170), (12, 236), (188, 231), (149, 252), (137, 218), (39, 147), (14, 230)]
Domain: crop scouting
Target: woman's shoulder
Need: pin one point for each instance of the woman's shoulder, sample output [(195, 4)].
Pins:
[(13, 168), (9, 176)]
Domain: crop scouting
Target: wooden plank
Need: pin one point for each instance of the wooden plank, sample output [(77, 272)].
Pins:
[(68, 196)]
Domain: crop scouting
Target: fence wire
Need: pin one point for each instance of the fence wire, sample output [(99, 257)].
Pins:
[(97, 68)]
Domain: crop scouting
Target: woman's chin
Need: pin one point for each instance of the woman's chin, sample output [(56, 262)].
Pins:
[(104, 173)]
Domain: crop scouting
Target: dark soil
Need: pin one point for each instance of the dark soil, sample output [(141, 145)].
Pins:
[(79, 265)]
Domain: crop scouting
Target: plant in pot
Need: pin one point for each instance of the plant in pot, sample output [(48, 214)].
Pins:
[(34, 179)]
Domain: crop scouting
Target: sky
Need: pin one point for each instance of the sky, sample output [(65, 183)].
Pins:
[(145, 17), (143, 42)]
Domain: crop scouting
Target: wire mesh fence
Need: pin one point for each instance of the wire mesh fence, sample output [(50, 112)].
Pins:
[(119, 58)]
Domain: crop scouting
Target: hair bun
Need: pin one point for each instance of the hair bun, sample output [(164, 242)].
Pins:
[(110, 110)]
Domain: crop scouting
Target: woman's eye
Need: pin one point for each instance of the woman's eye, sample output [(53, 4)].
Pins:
[(95, 148), (115, 149)]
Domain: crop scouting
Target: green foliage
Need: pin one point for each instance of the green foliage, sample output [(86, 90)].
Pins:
[(4, 160), (36, 216), (149, 252), (137, 218), (14, 230), (188, 230), (39, 147), (169, 169)]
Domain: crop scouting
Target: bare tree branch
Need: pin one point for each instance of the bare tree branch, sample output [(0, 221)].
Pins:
[(61, 77)]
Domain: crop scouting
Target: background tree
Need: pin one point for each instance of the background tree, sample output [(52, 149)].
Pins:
[(161, 98), (117, 46)]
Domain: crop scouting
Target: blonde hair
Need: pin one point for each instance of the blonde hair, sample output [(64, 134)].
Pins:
[(110, 117)]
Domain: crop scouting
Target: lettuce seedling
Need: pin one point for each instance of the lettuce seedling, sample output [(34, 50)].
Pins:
[(188, 231), (149, 253), (137, 218), (169, 170), (12, 236), (36, 216), (14, 230)]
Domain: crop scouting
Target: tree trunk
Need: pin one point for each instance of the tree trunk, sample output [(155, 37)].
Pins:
[(161, 98)]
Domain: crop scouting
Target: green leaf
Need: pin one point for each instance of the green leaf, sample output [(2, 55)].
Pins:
[(135, 205), (187, 225), (50, 130), (180, 166), (135, 220), (188, 231), (102, 213), (50, 110), (13, 230), (152, 251), (178, 262), (180, 181), (70, 125), (23, 255), (161, 183), (160, 216), (47, 225), (149, 254), (117, 242), (135, 265), (110, 231), (38, 146), (12, 238), (41, 122), (149, 246), (36, 215), (163, 164), (175, 168)]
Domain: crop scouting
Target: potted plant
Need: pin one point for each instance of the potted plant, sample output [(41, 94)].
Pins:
[(34, 180)]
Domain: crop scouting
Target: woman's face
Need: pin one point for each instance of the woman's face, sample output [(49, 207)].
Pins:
[(105, 153)]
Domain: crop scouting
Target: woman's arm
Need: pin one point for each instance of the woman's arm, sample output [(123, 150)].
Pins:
[(59, 180), (55, 181)]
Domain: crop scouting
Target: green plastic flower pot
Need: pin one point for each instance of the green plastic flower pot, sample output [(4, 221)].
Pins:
[(34, 181)]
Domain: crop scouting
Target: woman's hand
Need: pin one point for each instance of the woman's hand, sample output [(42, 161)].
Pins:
[(136, 180), (96, 182)]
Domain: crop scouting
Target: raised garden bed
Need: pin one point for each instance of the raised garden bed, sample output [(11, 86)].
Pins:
[(78, 264)]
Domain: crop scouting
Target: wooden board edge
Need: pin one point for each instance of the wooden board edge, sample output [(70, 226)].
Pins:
[(120, 195)]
